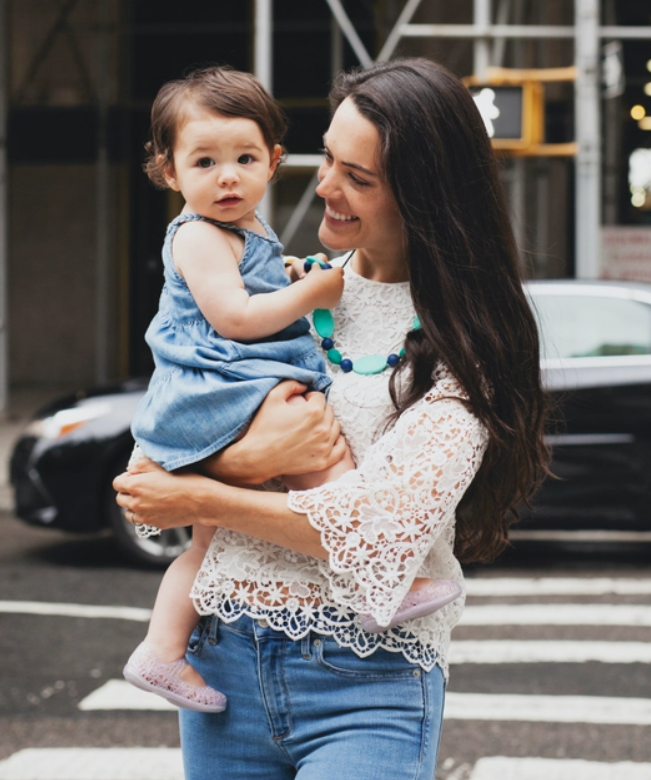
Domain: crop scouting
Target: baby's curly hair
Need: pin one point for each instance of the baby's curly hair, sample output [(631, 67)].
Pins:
[(218, 88)]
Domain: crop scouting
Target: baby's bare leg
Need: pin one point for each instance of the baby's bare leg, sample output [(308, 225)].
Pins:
[(317, 478), (174, 617)]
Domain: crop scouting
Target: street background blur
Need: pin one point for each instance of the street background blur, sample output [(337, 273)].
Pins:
[(81, 226)]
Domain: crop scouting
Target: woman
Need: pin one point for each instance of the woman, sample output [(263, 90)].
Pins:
[(447, 444)]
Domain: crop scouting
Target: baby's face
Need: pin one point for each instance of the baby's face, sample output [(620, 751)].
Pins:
[(221, 166)]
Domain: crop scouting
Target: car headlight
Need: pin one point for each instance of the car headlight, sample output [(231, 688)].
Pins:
[(67, 420)]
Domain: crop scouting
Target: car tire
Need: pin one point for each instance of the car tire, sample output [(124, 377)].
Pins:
[(156, 551)]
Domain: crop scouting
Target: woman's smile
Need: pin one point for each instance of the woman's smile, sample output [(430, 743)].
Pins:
[(337, 216)]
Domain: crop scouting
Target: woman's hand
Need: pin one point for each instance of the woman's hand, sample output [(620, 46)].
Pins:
[(283, 438), (155, 497)]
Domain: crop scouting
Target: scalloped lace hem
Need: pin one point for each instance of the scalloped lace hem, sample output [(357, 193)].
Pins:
[(328, 620)]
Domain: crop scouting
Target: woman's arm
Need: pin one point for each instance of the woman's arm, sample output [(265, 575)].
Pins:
[(283, 439), (204, 257), (166, 500), (375, 526)]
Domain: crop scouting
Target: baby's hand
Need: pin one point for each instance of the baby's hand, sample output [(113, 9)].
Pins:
[(327, 285), (294, 267), (297, 266)]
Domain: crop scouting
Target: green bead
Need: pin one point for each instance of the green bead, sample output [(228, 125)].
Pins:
[(324, 323), (370, 364), (334, 356), (402, 352), (416, 323)]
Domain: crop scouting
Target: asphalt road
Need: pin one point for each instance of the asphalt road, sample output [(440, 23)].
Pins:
[(589, 608)]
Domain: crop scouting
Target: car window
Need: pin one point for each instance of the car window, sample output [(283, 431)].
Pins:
[(592, 326)]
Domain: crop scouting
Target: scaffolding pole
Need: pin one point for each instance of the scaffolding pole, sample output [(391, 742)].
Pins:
[(263, 69), (4, 221), (102, 205), (481, 45), (588, 129)]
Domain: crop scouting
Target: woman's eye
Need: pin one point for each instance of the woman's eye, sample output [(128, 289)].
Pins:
[(358, 181), (205, 162), (326, 155), (245, 159)]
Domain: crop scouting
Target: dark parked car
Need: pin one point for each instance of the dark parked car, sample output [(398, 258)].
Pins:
[(596, 364), (63, 466)]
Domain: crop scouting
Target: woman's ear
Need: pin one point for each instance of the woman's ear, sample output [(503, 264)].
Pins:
[(275, 159)]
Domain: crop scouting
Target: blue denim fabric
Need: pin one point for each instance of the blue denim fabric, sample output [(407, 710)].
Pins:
[(206, 388), (308, 709)]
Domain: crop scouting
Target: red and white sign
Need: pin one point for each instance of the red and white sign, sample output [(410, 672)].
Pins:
[(626, 253)]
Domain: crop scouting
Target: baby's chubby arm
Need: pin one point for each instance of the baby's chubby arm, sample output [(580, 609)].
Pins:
[(206, 258)]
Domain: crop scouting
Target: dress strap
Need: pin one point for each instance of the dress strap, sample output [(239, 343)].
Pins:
[(176, 223)]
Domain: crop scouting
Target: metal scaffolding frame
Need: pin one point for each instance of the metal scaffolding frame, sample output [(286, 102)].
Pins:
[(488, 38), (587, 34)]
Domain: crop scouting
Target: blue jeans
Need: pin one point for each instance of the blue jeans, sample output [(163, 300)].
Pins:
[(308, 709)]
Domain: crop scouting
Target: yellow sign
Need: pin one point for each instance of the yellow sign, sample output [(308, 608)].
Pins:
[(512, 105)]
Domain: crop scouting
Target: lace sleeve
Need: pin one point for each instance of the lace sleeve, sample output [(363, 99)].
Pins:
[(379, 522)]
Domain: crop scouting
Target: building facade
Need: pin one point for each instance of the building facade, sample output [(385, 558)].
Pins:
[(81, 227)]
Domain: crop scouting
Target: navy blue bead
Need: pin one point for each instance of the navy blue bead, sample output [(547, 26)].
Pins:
[(393, 360), (308, 266), (326, 265), (327, 344), (346, 365)]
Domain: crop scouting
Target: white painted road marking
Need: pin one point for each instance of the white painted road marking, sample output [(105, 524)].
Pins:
[(612, 537), (93, 764), (557, 615), (166, 764), (75, 610), (563, 652), (556, 586), (121, 695), (548, 709), (500, 768)]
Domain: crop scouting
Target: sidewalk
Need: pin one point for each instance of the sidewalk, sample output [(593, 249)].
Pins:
[(23, 404)]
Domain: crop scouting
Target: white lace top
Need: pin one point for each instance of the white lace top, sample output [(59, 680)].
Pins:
[(386, 522)]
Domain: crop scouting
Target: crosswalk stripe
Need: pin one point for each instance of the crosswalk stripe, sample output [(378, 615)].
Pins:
[(74, 610), (557, 615), (527, 652), (567, 535), (548, 709), (93, 764), (121, 695), (166, 764), (556, 586), (500, 768)]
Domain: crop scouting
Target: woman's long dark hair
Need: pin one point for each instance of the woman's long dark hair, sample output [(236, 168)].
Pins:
[(466, 281)]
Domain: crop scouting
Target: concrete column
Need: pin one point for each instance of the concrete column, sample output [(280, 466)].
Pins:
[(588, 160)]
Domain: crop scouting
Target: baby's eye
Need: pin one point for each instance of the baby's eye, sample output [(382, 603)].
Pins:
[(245, 159), (205, 162)]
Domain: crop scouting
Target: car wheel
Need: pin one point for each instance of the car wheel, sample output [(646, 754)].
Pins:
[(156, 551)]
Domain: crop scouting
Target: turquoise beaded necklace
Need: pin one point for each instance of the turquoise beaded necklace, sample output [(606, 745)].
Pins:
[(324, 324)]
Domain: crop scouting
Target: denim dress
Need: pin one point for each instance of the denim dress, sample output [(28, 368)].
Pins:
[(205, 388)]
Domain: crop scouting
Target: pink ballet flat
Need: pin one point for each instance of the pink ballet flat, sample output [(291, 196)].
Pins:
[(417, 603), (145, 670)]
